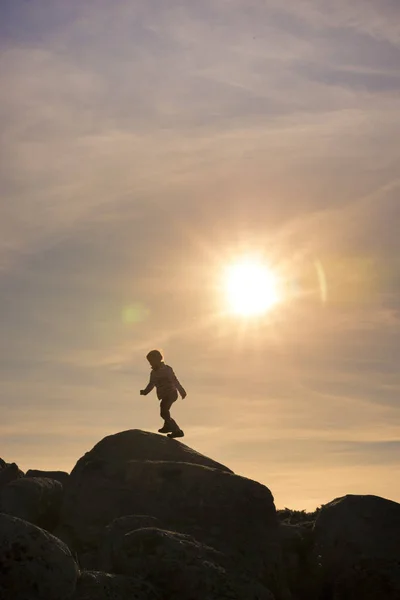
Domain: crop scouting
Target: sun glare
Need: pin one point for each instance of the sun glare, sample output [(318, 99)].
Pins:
[(251, 288)]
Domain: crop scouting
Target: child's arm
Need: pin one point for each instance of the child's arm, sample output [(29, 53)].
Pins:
[(177, 384), (149, 386)]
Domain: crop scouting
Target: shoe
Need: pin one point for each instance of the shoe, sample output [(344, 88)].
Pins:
[(176, 434), (165, 429)]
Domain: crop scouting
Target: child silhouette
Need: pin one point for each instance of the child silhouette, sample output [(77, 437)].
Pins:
[(163, 378)]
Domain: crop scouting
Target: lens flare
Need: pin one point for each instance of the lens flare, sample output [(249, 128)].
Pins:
[(134, 313)]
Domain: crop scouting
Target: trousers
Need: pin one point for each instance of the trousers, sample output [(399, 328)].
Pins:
[(165, 407)]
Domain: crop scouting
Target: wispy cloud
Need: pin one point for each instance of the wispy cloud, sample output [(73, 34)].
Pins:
[(142, 145)]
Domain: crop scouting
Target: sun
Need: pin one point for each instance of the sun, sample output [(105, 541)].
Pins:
[(251, 288)]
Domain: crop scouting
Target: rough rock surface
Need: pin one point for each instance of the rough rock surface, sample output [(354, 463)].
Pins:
[(135, 444), (34, 499), (150, 544), (230, 513), (180, 566), (94, 585), (60, 476), (113, 539), (168, 525), (8, 473), (34, 565), (358, 544)]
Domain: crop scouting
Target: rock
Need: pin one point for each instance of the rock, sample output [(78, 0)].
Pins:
[(136, 549), (9, 473), (34, 565), (369, 579), (135, 444), (171, 523), (180, 566), (94, 585), (112, 540), (358, 544), (60, 476), (229, 513), (37, 500), (180, 495)]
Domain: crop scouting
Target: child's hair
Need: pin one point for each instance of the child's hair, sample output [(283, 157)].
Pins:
[(155, 355)]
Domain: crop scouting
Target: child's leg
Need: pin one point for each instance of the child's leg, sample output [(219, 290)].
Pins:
[(165, 406)]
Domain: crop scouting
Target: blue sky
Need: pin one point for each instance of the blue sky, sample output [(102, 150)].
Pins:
[(146, 145)]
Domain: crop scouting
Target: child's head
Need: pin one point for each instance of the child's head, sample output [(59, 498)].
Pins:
[(155, 358)]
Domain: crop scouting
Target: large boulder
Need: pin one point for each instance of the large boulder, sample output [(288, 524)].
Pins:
[(220, 509), (180, 566), (37, 500), (8, 473), (34, 564), (135, 444), (60, 476), (358, 546), (232, 514), (95, 585)]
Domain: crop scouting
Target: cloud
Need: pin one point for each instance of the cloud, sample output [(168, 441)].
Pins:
[(374, 18), (146, 144)]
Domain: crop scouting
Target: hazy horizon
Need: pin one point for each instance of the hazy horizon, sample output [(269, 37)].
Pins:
[(145, 147)]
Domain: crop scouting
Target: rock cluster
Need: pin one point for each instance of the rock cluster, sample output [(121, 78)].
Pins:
[(144, 517)]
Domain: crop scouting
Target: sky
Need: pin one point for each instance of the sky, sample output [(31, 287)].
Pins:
[(147, 145)]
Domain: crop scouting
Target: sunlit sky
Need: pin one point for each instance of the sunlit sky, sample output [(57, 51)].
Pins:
[(146, 146)]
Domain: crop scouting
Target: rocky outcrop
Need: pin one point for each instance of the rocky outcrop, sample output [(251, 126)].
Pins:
[(34, 564), (229, 513), (185, 492), (357, 542), (146, 517), (34, 499)]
